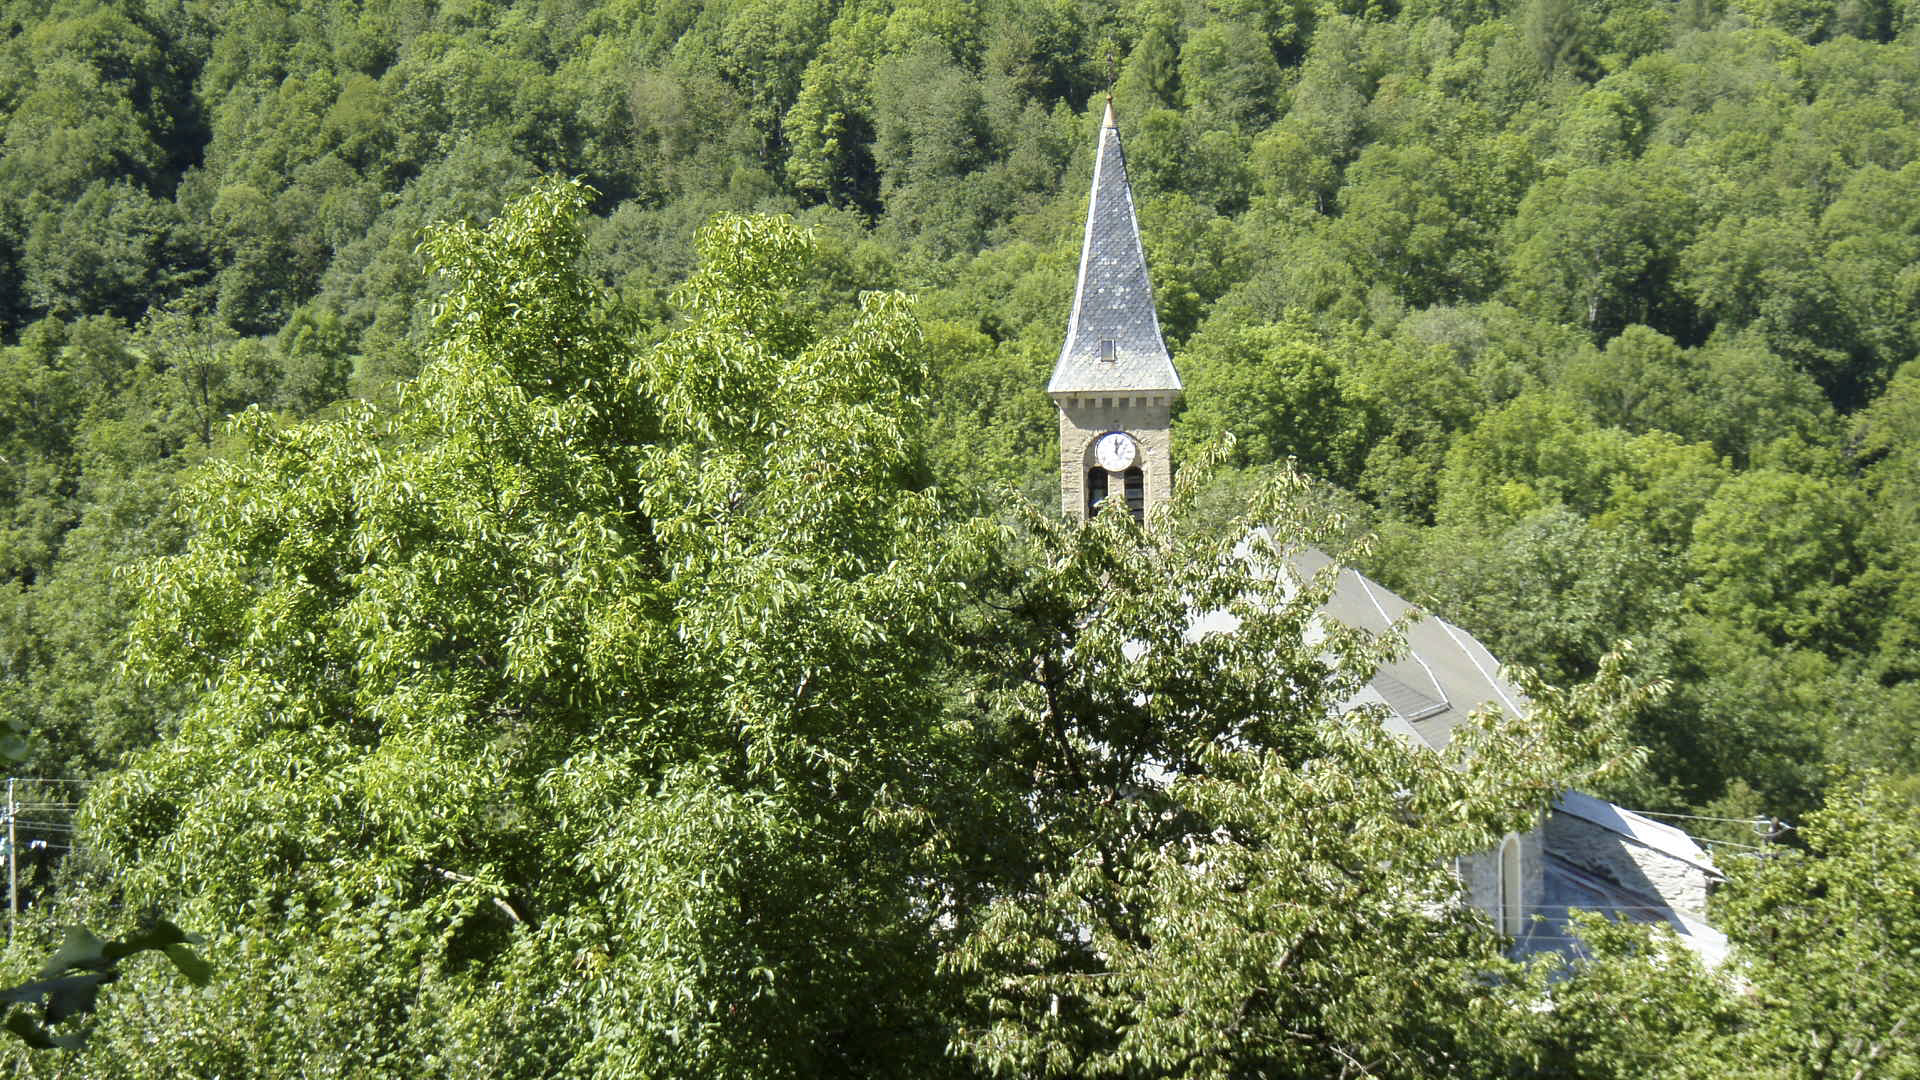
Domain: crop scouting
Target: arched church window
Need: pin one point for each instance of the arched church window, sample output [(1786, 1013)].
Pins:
[(1135, 483), (1096, 490), (1512, 913)]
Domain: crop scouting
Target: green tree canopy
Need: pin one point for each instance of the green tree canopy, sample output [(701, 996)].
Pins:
[(591, 682)]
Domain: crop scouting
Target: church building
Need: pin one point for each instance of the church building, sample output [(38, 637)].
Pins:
[(1115, 387)]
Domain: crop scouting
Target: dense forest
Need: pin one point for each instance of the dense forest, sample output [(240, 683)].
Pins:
[(1600, 319)]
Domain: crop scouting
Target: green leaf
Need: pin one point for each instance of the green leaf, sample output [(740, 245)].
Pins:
[(82, 949), (29, 1032), (196, 970), (158, 936)]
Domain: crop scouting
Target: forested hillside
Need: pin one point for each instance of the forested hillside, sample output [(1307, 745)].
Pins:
[(1600, 312), (1601, 317)]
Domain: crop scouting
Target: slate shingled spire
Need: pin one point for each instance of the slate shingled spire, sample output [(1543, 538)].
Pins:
[(1113, 341)]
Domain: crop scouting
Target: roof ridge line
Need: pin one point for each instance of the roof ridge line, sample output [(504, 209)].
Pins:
[(1492, 678), (1439, 690)]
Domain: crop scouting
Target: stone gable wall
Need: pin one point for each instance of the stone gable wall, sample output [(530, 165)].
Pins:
[(1605, 853)]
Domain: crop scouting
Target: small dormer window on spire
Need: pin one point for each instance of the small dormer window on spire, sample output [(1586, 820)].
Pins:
[(1108, 349)]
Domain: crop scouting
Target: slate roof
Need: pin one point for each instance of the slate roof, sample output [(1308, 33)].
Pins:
[(1645, 831), (1445, 675), (1113, 301)]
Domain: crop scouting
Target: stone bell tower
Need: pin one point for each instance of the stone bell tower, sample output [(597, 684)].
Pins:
[(1114, 383)]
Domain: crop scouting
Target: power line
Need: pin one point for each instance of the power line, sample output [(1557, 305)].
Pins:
[(46, 799), (1698, 817), (1734, 843), (1756, 822)]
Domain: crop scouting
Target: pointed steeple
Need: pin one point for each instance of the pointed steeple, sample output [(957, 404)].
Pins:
[(1113, 340)]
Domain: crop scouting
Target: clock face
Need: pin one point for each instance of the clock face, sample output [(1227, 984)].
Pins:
[(1116, 451)]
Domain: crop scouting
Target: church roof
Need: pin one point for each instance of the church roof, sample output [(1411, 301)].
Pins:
[(1567, 888), (1446, 673), (1113, 341), (1657, 835)]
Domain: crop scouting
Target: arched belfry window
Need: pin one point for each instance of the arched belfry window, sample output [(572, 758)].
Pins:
[(1096, 490), (1133, 487), (1513, 920)]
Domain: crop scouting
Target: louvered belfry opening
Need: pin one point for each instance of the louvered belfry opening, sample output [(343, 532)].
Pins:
[(1096, 490), (1133, 487), (1136, 488)]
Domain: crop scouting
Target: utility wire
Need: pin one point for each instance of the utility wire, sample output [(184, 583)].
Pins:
[(1756, 822), (1735, 843)]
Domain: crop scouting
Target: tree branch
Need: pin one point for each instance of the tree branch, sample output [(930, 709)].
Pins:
[(505, 904)]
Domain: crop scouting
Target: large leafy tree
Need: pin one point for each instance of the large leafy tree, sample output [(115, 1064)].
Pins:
[(578, 714), (1281, 394), (1714, 241), (1222, 869), (1827, 937), (613, 710)]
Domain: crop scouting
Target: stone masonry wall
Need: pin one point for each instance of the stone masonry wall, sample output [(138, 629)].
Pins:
[(1084, 418), (1681, 884)]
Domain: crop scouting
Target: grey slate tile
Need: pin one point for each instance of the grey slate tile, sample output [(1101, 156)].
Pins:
[(1114, 300)]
